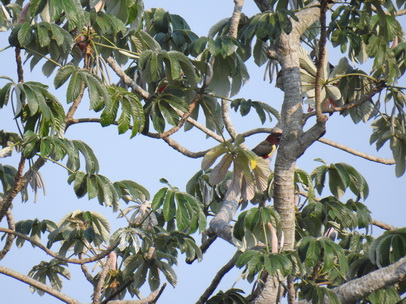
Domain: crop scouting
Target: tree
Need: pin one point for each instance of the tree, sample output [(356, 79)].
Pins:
[(293, 238)]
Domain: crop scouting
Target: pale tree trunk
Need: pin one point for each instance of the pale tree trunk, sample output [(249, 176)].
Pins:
[(293, 143)]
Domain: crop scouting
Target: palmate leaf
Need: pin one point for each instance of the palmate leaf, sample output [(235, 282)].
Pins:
[(183, 207), (231, 296), (78, 229), (49, 271), (80, 79), (341, 177), (95, 185), (34, 229), (39, 101), (318, 295), (388, 248)]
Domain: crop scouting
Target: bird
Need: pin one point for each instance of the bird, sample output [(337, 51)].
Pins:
[(266, 148)]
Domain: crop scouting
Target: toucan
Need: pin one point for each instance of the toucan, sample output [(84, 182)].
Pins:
[(267, 147)]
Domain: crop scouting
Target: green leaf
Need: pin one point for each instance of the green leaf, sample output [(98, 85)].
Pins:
[(169, 206), (75, 86), (25, 34), (158, 199)]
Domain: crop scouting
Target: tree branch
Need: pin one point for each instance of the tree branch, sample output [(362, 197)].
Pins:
[(102, 279), (321, 63), (355, 290), (56, 256), (74, 106), (127, 80), (27, 280), (383, 225), (379, 86), (385, 161), (219, 225), (217, 278), (10, 237), (183, 119), (12, 193), (235, 19)]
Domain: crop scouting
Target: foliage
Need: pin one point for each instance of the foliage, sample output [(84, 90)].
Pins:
[(168, 79)]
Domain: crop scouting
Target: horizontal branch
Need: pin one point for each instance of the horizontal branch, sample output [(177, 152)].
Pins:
[(45, 288), (385, 161), (383, 225), (55, 255)]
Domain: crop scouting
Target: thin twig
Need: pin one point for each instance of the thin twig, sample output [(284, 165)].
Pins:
[(379, 86), (74, 106), (218, 277)]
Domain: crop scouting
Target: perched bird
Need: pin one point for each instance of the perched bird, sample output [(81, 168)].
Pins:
[(267, 147)]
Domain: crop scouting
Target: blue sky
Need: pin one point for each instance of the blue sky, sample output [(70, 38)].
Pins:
[(146, 160)]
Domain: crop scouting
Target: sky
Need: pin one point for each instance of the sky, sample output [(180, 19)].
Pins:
[(146, 160)]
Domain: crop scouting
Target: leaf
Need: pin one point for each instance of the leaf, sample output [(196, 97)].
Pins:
[(75, 86), (219, 172), (169, 207), (211, 156)]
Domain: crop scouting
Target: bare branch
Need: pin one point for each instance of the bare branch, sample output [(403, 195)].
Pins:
[(235, 19), (183, 119), (217, 278), (74, 106), (355, 290), (219, 225), (56, 256), (385, 161), (383, 225), (225, 112), (127, 80), (27, 280), (321, 62), (98, 288), (10, 237), (20, 71)]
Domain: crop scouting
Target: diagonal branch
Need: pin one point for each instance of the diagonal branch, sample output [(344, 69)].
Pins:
[(355, 290), (217, 278), (385, 161), (12, 193), (379, 86), (127, 80), (30, 281)]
